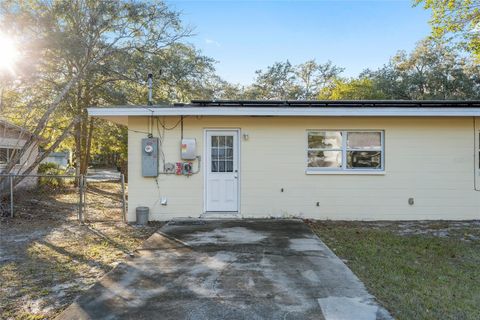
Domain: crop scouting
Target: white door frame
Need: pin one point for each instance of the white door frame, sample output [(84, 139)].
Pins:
[(205, 165)]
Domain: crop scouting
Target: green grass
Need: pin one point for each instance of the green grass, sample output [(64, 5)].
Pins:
[(414, 276)]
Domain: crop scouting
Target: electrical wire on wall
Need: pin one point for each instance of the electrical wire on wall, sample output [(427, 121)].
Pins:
[(150, 126), (174, 126), (161, 123), (161, 133), (161, 136), (181, 127), (137, 131)]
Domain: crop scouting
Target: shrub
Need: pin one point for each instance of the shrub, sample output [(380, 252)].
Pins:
[(50, 168)]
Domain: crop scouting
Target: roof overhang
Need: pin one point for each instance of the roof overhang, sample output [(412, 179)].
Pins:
[(21, 130), (120, 114)]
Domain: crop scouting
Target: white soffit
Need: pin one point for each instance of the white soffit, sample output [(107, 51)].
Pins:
[(116, 114)]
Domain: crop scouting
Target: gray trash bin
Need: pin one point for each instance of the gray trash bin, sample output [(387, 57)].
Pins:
[(142, 215)]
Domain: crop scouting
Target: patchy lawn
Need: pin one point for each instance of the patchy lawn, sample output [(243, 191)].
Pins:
[(417, 270), (47, 258)]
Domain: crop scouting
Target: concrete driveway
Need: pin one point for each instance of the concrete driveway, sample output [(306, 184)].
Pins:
[(237, 269)]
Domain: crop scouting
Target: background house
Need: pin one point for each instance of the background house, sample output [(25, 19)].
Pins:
[(62, 158), (12, 139), (361, 160)]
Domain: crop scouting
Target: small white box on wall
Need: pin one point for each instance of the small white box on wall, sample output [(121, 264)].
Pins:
[(188, 149)]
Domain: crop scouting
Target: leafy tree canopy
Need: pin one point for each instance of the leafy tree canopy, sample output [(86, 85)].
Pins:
[(456, 19), (432, 70), (82, 53)]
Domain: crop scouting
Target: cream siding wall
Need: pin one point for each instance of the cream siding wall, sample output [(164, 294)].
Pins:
[(429, 159)]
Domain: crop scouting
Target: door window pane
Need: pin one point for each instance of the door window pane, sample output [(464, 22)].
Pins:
[(214, 141), (214, 166), (221, 141), (214, 153), (229, 166), (229, 141), (221, 153)]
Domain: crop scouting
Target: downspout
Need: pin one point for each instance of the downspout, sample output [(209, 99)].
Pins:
[(476, 155)]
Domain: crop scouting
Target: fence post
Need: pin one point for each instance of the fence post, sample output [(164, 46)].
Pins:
[(80, 202), (85, 206), (124, 201), (11, 195)]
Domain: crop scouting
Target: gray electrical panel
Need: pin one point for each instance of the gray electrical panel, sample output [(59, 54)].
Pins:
[(189, 147), (150, 157)]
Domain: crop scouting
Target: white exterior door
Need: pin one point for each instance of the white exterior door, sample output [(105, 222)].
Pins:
[(221, 176)]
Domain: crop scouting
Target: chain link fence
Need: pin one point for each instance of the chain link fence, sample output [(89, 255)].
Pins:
[(85, 198), (105, 198)]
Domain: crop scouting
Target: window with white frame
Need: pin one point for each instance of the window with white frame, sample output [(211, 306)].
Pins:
[(6, 154), (345, 150)]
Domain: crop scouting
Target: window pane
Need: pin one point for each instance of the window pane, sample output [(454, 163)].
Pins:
[(364, 159), (221, 141), (325, 139), (214, 166), (229, 154), (214, 153), (229, 166), (325, 159), (221, 153), (221, 166), (12, 153), (229, 141), (214, 141), (3, 155), (364, 140)]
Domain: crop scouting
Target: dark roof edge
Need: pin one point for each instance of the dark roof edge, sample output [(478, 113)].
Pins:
[(332, 103)]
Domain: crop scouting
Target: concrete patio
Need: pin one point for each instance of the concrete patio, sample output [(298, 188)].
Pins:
[(230, 269)]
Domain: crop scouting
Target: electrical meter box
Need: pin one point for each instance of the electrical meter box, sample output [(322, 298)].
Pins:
[(150, 157), (189, 149)]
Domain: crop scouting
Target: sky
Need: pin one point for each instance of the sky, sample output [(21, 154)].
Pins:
[(247, 35)]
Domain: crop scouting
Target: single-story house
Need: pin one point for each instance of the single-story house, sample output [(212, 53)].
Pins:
[(61, 158), (12, 139), (350, 160)]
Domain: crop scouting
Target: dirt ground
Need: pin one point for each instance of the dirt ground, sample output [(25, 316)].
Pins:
[(47, 258)]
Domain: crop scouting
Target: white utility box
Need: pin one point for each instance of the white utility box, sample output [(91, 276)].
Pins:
[(189, 149)]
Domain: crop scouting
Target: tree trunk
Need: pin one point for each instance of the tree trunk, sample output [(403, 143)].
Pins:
[(77, 148), (42, 123), (83, 144), (89, 142)]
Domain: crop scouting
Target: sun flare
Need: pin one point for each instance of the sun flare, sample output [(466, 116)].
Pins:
[(8, 53)]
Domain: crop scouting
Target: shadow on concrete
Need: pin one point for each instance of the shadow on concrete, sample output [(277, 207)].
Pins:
[(244, 269)]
